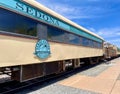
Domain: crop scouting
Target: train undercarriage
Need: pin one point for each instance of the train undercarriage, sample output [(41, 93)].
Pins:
[(24, 73)]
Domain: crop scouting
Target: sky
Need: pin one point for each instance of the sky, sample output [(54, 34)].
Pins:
[(99, 16)]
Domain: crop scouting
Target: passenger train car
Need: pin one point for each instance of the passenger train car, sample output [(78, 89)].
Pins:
[(110, 51), (35, 41)]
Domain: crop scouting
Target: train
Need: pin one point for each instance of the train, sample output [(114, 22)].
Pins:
[(110, 51), (36, 42)]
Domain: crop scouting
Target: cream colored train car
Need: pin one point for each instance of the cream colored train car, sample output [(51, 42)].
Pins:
[(35, 41), (110, 51)]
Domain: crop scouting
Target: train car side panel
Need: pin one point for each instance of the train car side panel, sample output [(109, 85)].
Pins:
[(20, 51)]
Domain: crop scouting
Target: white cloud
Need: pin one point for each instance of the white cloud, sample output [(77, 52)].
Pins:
[(118, 33), (91, 29), (76, 12), (69, 11), (115, 42), (109, 32), (111, 35)]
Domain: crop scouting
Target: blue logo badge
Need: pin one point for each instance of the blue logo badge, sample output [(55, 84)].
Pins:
[(42, 49)]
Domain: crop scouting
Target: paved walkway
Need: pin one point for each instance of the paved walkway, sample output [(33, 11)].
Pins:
[(108, 82)]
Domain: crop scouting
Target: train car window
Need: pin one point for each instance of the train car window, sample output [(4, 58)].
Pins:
[(99, 45), (15, 23), (85, 42), (42, 31), (73, 39), (95, 44), (91, 43), (57, 35)]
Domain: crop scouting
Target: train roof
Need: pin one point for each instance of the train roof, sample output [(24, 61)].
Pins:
[(51, 12)]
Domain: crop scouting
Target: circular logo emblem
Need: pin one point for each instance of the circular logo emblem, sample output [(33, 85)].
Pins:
[(42, 49)]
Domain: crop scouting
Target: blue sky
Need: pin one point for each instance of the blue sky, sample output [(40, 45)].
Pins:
[(99, 16)]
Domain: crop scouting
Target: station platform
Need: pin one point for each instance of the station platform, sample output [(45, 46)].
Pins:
[(107, 82)]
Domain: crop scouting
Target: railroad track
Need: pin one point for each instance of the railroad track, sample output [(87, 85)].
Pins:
[(14, 86)]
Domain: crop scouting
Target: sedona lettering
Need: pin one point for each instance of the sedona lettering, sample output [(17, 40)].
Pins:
[(37, 14)]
